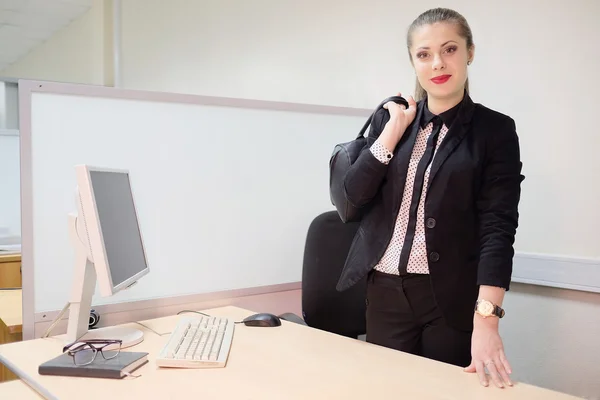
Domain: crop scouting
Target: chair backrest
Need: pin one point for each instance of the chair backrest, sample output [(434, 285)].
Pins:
[(327, 244)]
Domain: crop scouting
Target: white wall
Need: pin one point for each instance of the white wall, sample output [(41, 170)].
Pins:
[(534, 61), (309, 51), (10, 206), (551, 338), (73, 54)]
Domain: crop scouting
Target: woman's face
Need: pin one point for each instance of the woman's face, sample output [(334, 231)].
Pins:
[(440, 55)]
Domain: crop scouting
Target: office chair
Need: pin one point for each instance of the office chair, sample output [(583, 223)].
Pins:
[(327, 244)]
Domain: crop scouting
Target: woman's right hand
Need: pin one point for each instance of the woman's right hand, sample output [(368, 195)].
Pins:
[(400, 118)]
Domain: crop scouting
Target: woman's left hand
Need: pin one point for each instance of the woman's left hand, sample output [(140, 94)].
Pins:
[(487, 351)]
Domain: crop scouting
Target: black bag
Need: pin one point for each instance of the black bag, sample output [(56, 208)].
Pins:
[(344, 155)]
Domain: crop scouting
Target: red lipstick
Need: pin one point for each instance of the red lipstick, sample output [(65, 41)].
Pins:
[(440, 79)]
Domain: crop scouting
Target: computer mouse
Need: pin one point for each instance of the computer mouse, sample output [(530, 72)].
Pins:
[(262, 319)]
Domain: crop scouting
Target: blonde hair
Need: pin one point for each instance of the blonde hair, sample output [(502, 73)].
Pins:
[(433, 16)]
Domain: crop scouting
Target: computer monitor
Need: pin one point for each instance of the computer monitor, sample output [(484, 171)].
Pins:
[(109, 248)]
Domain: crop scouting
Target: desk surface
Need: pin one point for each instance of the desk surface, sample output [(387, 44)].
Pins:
[(291, 361), (11, 309), (17, 390)]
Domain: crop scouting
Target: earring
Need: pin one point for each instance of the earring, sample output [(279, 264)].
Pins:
[(469, 62)]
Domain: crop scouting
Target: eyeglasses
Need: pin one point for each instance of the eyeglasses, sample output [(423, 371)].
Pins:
[(84, 352)]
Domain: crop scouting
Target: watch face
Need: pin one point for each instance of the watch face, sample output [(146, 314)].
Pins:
[(485, 308)]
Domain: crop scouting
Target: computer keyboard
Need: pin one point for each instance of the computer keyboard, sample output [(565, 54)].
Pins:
[(198, 342)]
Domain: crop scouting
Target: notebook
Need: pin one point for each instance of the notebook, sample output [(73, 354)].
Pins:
[(115, 368)]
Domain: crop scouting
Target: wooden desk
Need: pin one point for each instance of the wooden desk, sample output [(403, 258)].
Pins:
[(11, 324), (10, 270), (287, 362), (18, 390)]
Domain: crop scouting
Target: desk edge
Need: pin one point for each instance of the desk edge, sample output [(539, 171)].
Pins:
[(28, 380)]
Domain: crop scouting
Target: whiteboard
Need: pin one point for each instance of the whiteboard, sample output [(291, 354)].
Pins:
[(225, 193)]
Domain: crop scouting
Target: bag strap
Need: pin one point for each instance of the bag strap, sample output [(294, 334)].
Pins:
[(395, 99)]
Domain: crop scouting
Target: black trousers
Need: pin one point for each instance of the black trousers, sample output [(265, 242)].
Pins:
[(402, 314)]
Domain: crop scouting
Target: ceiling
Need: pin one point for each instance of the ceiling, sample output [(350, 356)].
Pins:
[(25, 24)]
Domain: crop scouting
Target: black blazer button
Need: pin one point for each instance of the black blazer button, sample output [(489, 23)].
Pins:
[(430, 223), (434, 256)]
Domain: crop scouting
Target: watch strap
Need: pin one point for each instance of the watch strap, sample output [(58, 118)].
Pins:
[(499, 311)]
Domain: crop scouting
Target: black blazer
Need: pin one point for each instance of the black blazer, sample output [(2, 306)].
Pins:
[(471, 208)]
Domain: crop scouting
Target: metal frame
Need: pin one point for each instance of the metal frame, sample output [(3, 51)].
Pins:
[(574, 273)]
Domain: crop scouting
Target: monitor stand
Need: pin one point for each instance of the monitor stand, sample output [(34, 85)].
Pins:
[(84, 286)]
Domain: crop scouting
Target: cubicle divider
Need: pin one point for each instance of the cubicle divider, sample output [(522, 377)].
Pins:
[(225, 189)]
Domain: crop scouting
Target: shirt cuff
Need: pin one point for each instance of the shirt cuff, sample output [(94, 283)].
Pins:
[(381, 152)]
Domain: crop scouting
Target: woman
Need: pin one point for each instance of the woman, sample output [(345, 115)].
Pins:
[(439, 186)]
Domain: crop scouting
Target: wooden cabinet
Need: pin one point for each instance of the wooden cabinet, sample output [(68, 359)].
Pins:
[(10, 271), (10, 305), (11, 324)]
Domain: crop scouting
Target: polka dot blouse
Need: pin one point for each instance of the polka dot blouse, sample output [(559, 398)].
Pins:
[(400, 251)]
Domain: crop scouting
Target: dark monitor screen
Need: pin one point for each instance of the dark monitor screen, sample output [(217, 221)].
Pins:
[(119, 225)]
